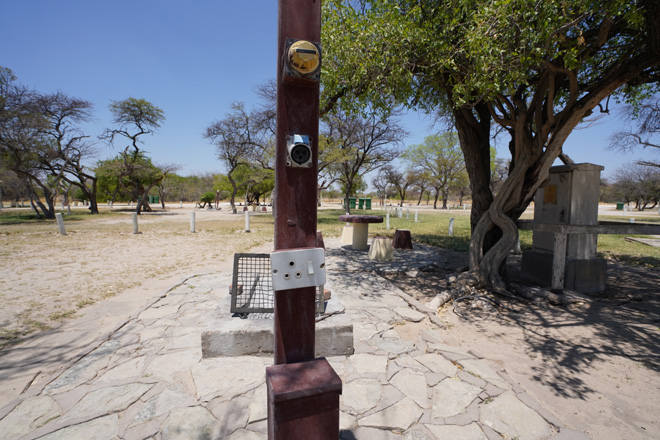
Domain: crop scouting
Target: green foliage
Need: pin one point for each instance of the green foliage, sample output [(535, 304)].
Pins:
[(207, 197)]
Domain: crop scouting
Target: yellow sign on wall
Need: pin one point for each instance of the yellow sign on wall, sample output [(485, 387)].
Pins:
[(550, 194)]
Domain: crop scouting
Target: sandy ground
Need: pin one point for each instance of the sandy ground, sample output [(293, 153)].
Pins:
[(596, 366), (46, 278)]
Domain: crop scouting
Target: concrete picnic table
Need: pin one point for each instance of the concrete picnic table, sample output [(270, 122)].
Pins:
[(360, 228)]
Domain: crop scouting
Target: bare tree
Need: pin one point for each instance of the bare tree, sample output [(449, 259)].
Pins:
[(401, 181), (69, 148), (368, 143), (234, 143), (645, 134)]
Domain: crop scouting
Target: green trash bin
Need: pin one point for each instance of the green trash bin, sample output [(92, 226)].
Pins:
[(360, 203), (367, 203), (619, 206), (351, 202), (153, 199)]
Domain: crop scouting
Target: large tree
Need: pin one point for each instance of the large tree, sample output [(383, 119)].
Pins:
[(23, 145), (68, 148), (439, 156), (368, 143), (236, 142), (133, 119), (536, 69)]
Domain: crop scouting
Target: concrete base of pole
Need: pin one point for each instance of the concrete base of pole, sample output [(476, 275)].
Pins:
[(303, 401)]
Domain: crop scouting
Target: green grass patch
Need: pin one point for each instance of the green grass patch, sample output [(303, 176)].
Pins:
[(61, 315)]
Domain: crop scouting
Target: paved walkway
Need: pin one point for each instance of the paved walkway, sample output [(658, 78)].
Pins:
[(147, 379)]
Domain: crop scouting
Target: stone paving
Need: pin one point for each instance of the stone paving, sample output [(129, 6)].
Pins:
[(148, 379)]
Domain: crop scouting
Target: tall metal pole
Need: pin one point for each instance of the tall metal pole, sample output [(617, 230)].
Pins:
[(303, 392), (295, 188)]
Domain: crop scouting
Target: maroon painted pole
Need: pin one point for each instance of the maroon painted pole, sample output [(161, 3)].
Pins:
[(295, 187)]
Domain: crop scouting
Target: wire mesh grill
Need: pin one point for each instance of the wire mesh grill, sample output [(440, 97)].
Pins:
[(252, 287)]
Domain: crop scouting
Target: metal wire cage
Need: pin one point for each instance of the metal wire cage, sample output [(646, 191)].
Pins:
[(252, 286)]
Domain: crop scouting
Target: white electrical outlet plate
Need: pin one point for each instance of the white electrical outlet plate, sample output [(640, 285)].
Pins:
[(298, 268)]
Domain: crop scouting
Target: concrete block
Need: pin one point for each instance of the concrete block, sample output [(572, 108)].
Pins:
[(254, 337), (584, 276), (381, 249), (347, 235)]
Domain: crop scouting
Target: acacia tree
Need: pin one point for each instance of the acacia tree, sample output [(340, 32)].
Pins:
[(440, 157), (638, 183), (534, 68), (235, 143), (23, 146), (368, 143), (646, 132), (136, 174), (68, 148), (401, 181)]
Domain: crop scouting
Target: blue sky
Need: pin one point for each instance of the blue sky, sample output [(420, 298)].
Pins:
[(192, 59)]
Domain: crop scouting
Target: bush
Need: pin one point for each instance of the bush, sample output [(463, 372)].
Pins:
[(208, 197)]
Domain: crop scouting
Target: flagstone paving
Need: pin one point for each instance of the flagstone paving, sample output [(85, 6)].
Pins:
[(149, 380)]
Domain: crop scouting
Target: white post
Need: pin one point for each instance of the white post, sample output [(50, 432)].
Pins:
[(192, 221), (451, 226), (111, 204), (135, 223), (181, 204), (387, 221), (407, 213), (415, 216), (632, 220), (60, 223), (625, 209), (247, 221), (463, 206)]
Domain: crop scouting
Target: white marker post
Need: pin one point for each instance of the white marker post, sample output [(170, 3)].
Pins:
[(135, 223), (387, 221), (451, 226), (192, 221), (60, 223), (407, 213), (181, 204), (247, 221), (416, 216)]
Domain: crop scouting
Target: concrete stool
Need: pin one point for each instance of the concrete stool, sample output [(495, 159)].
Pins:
[(347, 235), (402, 239), (381, 249)]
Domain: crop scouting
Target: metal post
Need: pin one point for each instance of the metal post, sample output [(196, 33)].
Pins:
[(60, 223), (192, 221), (135, 223), (313, 413)]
